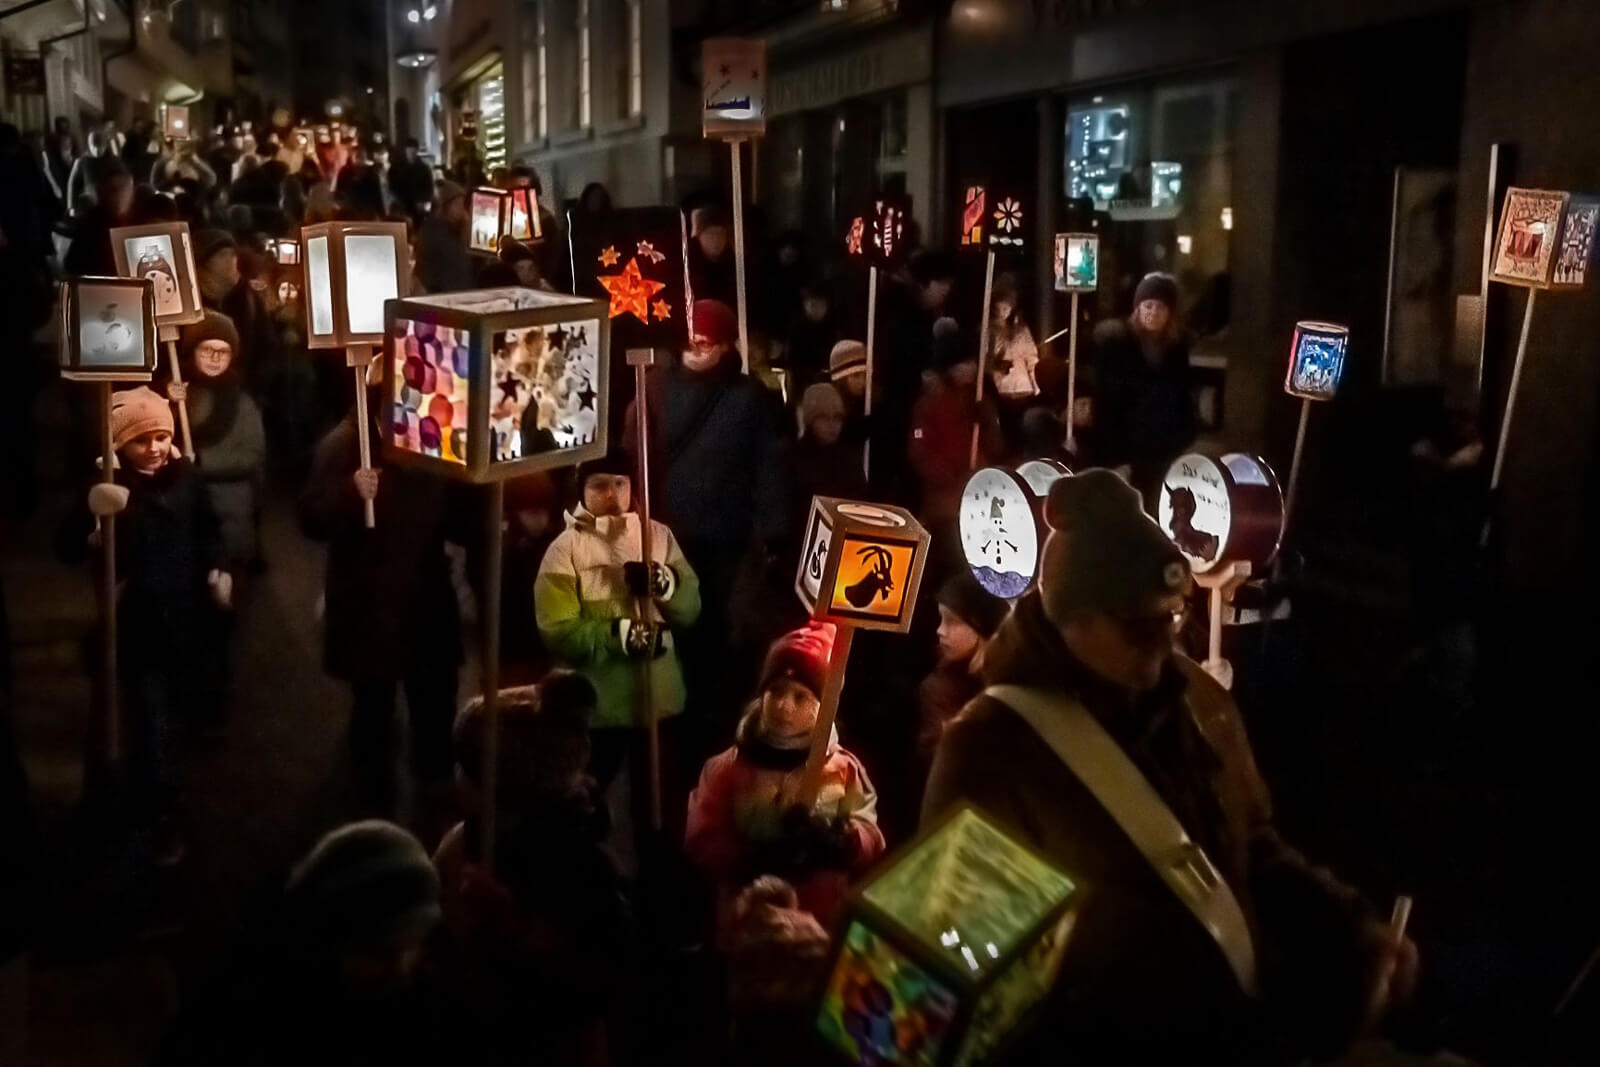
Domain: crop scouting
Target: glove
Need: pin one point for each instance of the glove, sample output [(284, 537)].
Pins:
[(663, 581), (639, 640), (821, 841), (107, 498)]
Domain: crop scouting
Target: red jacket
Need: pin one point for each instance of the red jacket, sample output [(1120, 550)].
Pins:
[(940, 448)]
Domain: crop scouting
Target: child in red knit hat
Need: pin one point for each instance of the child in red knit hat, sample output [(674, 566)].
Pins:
[(746, 817)]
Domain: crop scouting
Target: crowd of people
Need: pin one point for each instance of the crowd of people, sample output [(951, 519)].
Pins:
[(408, 944)]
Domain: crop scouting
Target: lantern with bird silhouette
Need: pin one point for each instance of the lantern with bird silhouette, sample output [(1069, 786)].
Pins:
[(862, 564)]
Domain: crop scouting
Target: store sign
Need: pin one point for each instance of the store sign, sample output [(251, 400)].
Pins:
[(733, 97), (904, 60)]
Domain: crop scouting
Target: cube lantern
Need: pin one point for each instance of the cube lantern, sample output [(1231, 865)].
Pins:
[(1316, 360), (487, 384), (175, 122), (947, 948), (285, 251), (525, 225), (163, 254), (493, 212), (862, 564), (108, 329), (350, 269)]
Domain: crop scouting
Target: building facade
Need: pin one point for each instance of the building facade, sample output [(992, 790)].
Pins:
[(53, 57)]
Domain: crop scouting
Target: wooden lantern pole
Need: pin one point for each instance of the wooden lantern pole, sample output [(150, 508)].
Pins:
[(169, 334), (983, 355), (822, 733), (1072, 373), (491, 664), (1294, 466), (108, 550), (641, 359), (735, 144), (1221, 584), (358, 358), (1511, 394), (872, 326)]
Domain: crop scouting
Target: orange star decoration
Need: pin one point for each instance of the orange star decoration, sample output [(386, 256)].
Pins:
[(662, 309), (631, 291), (609, 257)]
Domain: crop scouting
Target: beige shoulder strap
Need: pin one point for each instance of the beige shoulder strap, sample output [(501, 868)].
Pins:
[(1122, 790)]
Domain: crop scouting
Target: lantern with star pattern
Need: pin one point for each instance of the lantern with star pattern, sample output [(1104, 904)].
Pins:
[(487, 384), (634, 260)]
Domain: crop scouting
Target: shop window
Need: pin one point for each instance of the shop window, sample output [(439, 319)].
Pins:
[(1155, 163), (628, 38), (491, 94), (892, 156), (585, 116), (535, 73)]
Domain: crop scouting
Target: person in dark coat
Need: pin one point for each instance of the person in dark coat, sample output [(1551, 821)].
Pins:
[(1099, 631), (718, 483), (221, 272), (912, 303), (90, 251), (813, 329), (411, 181), (968, 618), (711, 261), (1144, 411), (443, 265), (391, 617)]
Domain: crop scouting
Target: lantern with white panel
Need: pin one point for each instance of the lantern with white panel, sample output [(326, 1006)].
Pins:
[(487, 384), (108, 329), (163, 254), (1001, 521), (351, 269)]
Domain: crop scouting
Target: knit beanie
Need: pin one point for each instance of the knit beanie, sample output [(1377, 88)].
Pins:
[(819, 400), (972, 604), (137, 411), (1104, 555), (847, 358), (801, 654), (543, 737), (1157, 286), (208, 243), (364, 883), (715, 321), (214, 327)]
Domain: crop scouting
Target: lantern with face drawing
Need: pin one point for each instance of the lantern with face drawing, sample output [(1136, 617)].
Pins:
[(162, 254)]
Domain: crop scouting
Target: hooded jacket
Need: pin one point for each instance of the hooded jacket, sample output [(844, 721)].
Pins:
[(579, 594), (1137, 954)]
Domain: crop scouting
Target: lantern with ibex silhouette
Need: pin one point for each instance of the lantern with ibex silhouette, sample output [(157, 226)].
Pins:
[(862, 564)]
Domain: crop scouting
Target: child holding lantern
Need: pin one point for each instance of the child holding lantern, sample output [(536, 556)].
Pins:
[(169, 563), (746, 817)]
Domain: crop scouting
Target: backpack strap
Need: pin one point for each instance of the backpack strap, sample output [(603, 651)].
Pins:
[(1097, 761)]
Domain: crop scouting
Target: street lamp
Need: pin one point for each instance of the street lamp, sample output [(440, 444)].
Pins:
[(428, 13)]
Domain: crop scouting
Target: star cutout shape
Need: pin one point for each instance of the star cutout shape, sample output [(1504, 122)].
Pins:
[(508, 389), (609, 257), (558, 339), (648, 251), (630, 291), (662, 309)]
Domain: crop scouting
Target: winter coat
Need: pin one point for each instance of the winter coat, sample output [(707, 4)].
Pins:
[(1137, 954), (443, 265), (389, 605), (807, 347), (738, 807), (579, 595), (714, 456), (714, 279), (1144, 411), (1013, 358), (941, 445), (825, 470), (940, 698), (233, 463)]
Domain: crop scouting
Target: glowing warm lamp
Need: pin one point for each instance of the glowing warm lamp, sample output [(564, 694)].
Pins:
[(350, 269), (525, 224), (488, 384), (490, 211), (862, 565), (108, 329), (163, 254)]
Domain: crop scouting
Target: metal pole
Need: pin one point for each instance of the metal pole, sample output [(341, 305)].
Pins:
[(872, 328), (491, 667), (641, 359), (108, 548), (1511, 394), (358, 357), (1294, 468), (1072, 375), (817, 757), (183, 405), (983, 354), (738, 251)]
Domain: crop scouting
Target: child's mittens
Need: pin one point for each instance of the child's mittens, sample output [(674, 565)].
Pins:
[(639, 640), (177, 392), (660, 584), (221, 585), (107, 498)]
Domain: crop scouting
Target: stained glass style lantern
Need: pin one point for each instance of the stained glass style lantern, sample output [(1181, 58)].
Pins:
[(946, 950), (487, 384)]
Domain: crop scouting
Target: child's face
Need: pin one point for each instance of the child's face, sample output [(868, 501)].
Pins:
[(958, 642), (148, 452), (827, 427), (788, 708), (212, 358), (816, 308), (607, 494), (853, 384)]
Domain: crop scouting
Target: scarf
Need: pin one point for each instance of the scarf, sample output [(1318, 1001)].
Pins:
[(220, 407), (775, 752)]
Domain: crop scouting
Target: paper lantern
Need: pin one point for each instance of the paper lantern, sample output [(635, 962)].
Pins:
[(862, 564), (1316, 360), (947, 948), (879, 236), (1224, 509), (525, 225), (285, 251), (1576, 246), (1524, 252), (993, 219), (1077, 262), (1002, 526), (490, 211), (175, 122), (350, 269), (634, 259), (733, 75), (491, 383), (162, 253), (108, 329)]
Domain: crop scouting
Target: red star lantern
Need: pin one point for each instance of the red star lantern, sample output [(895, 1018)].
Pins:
[(609, 257), (630, 291), (662, 309)]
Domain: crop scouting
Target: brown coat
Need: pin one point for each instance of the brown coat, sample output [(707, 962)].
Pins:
[(1142, 981)]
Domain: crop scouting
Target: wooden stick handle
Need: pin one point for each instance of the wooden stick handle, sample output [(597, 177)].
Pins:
[(872, 329), (642, 607), (1511, 393), (491, 667), (108, 548), (364, 436), (1072, 374), (183, 405), (736, 145), (983, 355), (822, 733)]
